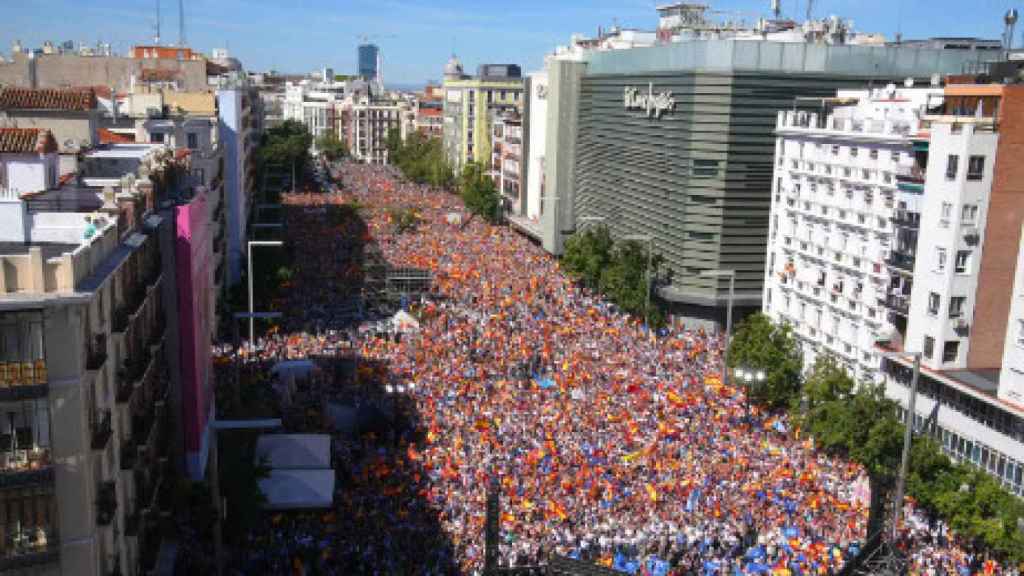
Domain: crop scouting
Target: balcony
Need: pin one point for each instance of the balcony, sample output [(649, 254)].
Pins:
[(24, 468), (101, 431), (904, 219), (128, 309), (23, 380), (27, 547), (106, 503), (133, 371), (96, 353), (129, 454), (898, 303), (901, 261)]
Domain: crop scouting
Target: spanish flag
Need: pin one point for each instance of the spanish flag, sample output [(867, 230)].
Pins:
[(652, 492), (675, 399), (556, 509)]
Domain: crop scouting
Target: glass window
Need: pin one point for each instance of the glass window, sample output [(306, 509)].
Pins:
[(975, 167), (874, 153), (157, 137), (895, 156), (835, 150), (929, 346), (193, 140), (952, 166), (940, 259), (969, 213), (853, 151), (963, 261), (934, 300), (950, 351), (956, 306), (947, 210)]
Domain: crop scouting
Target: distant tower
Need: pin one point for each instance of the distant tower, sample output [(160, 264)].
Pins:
[(156, 39), (369, 60), (1011, 23), (181, 22)]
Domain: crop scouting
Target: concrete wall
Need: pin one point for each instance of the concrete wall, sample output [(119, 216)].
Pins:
[(1011, 378), (536, 134), (68, 71), (27, 173), (564, 80), (12, 221), (231, 138)]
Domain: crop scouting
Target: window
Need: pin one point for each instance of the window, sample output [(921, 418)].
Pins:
[(157, 137), (193, 140), (705, 168), (963, 261), (929, 346), (969, 213), (895, 156), (952, 166), (940, 259), (1020, 333), (975, 167), (956, 306), (853, 151), (873, 154), (933, 303), (950, 351), (947, 210), (835, 150)]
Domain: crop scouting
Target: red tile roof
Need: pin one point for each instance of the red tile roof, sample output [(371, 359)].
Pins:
[(26, 141), (110, 137), (47, 99)]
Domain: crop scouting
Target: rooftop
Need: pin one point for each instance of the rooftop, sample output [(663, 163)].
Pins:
[(26, 141), (74, 99)]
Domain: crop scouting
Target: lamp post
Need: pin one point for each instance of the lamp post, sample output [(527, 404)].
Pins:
[(649, 240), (731, 275), (749, 377), (252, 319), (907, 435)]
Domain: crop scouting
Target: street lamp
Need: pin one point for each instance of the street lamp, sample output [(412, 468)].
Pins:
[(649, 240), (731, 275), (749, 377), (907, 434), (252, 319)]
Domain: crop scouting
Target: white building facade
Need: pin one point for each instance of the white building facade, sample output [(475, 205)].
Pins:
[(831, 221)]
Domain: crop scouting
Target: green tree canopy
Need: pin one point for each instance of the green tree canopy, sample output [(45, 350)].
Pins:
[(331, 146), (286, 145), (587, 254), (479, 192), (760, 344), (421, 159)]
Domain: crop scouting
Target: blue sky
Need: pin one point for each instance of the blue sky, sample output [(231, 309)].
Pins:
[(417, 36)]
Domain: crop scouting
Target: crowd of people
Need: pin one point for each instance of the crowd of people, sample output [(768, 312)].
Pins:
[(608, 442)]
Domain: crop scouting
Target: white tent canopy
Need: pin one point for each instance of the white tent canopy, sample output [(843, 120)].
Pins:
[(294, 451), (405, 322), (298, 489)]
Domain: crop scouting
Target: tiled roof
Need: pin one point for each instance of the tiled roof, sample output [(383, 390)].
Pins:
[(26, 140), (47, 99), (110, 137)]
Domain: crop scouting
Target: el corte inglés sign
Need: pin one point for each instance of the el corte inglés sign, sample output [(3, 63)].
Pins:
[(653, 105)]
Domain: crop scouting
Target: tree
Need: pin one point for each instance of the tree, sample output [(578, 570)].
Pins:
[(587, 254), (760, 344), (625, 280), (479, 192), (286, 145), (331, 146), (421, 159)]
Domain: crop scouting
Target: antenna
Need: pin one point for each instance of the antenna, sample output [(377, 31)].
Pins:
[(1011, 23), (156, 40), (181, 22)]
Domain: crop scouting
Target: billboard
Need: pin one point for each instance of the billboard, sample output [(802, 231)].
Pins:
[(194, 281)]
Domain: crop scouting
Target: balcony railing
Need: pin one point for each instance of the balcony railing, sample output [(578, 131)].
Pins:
[(101, 431), (901, 261), (106, 503), (31, 467), (904, 219), (129, 454), (898, 303)]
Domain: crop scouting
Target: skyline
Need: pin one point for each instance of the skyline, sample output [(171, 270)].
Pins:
[(415, 46)]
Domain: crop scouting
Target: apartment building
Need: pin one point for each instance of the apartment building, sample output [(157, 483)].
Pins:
[(239, 112), (72, 115), (833, 216), (84, 367), (963, 200), (470, 106), (506, 166), (368, 123), (430, 112)]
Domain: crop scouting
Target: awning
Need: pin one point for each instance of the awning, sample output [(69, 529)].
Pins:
[(294, 451), (298, 489)]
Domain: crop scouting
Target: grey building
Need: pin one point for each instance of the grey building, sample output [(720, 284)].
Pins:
[(675, 142)]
